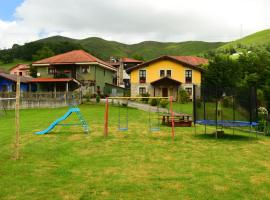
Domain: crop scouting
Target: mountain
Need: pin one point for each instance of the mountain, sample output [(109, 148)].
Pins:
[(258, 38), (148, 49), (104, 49)]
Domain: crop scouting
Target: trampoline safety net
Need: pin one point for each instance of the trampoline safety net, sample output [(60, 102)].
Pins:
[(225, 107)]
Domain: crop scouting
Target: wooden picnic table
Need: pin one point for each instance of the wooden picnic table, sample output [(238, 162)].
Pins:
[(180, 120)]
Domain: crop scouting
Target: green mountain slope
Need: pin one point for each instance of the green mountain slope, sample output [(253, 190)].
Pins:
[(105, 49), (147, 49), (259, 38)]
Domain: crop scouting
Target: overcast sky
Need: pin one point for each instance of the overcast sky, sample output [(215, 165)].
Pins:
[(132, 21)]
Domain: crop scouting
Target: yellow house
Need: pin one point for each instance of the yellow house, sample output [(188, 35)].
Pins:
[(164, 76)]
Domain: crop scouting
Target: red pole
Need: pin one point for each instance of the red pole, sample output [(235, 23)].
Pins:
[(106, 118), (172, 114)]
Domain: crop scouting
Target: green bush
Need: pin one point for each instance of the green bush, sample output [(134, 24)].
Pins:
[(145, 100), (199, 103), (183, 96), (227, 102), (153, 102), (164, 103), (97, 98)]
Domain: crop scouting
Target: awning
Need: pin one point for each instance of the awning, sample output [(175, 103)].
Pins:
[(166, 81)]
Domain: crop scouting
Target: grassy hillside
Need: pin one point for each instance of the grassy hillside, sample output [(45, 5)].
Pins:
[(147, 49), (6, 67), (259, 38), (105, 49)]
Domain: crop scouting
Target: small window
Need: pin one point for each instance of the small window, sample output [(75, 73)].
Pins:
[(85, 69), (142, 76), (188, 76), (51, 70), (142, 90), (169, 73), (20, 73), (162, 73), (189, 91)]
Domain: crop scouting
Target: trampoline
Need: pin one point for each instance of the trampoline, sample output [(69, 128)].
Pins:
[(227, 123), (225, 108)]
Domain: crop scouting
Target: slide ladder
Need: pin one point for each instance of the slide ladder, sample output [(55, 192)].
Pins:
[(75, 110)]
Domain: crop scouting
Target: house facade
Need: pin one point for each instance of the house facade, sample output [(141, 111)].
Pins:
[(165, 75), (79, 67), (20, 70), (122, 78), (8, 83)]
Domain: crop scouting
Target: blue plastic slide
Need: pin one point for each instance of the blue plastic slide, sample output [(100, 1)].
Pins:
[(56, 122)]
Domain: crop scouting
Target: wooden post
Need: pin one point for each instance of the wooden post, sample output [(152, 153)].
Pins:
[(106, 118), (172, 115), (54, 90), (17, 119)]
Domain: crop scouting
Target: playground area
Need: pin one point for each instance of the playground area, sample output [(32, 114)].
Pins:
[(133, 164)]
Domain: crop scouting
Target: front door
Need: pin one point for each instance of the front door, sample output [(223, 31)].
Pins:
[(164, 92)]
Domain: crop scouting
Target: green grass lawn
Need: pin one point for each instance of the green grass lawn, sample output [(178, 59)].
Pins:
[(67, 164), (6, 67)]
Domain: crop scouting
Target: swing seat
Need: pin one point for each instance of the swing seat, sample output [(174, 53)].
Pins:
[(122, 129)]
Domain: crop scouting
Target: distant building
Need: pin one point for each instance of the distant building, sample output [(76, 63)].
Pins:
[(123, 79), (8, 83), (20, 70), (74, 69)]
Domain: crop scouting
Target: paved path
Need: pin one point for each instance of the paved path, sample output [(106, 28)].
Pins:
[(140, 106)]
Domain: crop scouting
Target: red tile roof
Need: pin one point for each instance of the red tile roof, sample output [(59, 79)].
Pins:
[(191, 61), (73, 57), (48, 80), (130, 60)]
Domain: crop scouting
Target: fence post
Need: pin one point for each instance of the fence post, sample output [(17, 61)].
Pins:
[(17, 119), (172, 115)]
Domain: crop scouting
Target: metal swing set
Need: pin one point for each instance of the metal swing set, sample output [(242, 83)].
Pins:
[(123, 116)]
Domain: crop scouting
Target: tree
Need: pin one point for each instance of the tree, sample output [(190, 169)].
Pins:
[(44, 52), (222, 72), (33, 71)]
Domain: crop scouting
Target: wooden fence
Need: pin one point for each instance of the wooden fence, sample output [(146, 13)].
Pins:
[(40, 99)]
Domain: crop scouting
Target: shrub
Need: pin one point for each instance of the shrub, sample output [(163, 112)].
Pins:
[(146, 99), (153, 102), (227, 102), (199, 103), (183, 96), (164, 103), (97, 98)]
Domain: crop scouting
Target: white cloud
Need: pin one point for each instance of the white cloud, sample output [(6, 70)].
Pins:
[(136, 20)]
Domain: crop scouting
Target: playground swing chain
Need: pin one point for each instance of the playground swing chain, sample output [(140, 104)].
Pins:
[(120, 128)]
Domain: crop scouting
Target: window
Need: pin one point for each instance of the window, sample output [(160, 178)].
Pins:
[(142, 90), (162, 73), (188, 76), (142, 76), (51, 70), (20, 73), (85, 69), (169, 73), (189, 91)]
